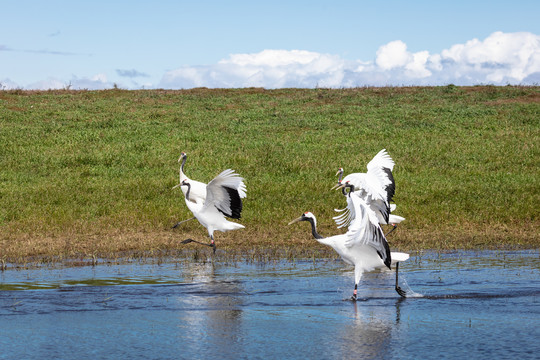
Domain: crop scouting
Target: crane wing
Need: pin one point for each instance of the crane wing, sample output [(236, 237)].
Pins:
[(381, 160), (369, 189), (377, 186), (348, 215), (225, 192), (380, 177), (365, 230), (367, 184)]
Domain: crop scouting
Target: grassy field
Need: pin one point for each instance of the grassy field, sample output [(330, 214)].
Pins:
[(88, 174)]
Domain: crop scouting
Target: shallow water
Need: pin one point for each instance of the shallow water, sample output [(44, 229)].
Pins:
[(464, 304)]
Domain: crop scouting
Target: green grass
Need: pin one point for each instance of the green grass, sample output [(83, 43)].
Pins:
[(90, 172)]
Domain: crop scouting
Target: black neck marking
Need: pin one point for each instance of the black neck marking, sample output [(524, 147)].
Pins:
[(316, 235)]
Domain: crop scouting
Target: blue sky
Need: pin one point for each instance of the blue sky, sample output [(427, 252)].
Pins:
[(183, 44)]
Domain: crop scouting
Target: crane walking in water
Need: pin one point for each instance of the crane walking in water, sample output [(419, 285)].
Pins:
[(364, 245), (223, 198)]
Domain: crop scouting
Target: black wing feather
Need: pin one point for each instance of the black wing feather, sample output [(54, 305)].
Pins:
[(390, 189), (388, 258), (236, 203)]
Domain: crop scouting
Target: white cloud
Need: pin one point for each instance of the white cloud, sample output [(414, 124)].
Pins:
[(273, 58), (416, 68), (269, 68), (500, 59), (393, 55), (7, 84), (96, 82), (48, 84)]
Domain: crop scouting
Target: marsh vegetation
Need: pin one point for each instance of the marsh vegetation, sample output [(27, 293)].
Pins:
[(89, 174)]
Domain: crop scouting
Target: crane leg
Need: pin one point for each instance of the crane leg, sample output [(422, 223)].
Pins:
[(399, 290), (212, 243), (187, 241), (354, 296), (183, 221), (394, 226)]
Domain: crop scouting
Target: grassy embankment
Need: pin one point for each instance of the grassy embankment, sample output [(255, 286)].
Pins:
[(89, 173)]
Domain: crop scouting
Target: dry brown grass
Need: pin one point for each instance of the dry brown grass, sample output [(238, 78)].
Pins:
[(244, 245)]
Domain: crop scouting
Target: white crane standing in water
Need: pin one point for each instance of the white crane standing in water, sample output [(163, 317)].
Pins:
[(364, 245), (197, 193), (376, 187), (223, 198)]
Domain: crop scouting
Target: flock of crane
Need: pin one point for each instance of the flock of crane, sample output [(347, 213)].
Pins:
[(368, 197)]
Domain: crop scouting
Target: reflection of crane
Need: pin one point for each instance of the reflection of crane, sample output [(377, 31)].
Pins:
[(223, 198), (198, 189), (212, 301), (364, 245), (377, 187)]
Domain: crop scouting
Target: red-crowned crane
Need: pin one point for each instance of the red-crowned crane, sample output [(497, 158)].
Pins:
[(223, 198), (197, 192), (376, 187), (364, 245)]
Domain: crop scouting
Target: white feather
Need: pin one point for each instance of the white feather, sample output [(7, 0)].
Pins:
[(374, 187), (218, 201), (197, 192)]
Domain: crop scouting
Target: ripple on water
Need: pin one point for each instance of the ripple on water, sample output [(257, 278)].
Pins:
[(477, 304)]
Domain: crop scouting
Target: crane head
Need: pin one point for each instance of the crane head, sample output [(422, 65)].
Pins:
[(346, 184), (183, 155), (305, 217), (340, 173)]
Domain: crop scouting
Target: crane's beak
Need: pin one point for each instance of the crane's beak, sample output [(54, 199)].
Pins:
[(338, 172), (295, 221), (338, 186)]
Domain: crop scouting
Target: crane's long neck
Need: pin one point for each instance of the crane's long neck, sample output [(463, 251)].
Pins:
[(316, 235), (188, 190), (182, 175), (340, 173), (344, 188)]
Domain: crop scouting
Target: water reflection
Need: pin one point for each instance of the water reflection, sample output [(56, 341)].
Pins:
[(370, 334), (212, 318), (283, 310)]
